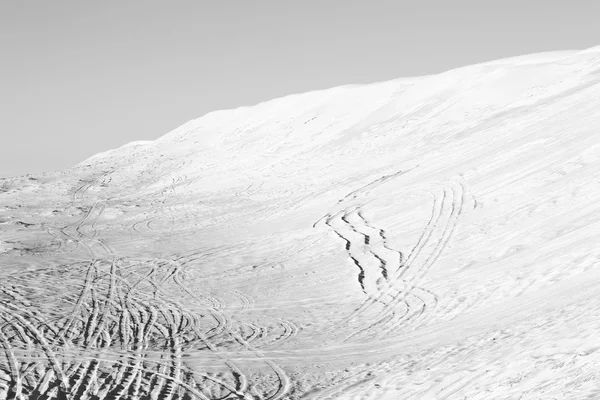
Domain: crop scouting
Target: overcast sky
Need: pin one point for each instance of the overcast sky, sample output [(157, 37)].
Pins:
[(80, 77)]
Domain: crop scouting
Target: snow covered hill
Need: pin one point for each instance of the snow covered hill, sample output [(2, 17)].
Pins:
[(425, 238)]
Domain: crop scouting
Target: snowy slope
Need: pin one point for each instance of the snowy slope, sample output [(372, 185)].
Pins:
[(424, 238)]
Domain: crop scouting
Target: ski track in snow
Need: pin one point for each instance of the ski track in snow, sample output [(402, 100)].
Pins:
[(425, 238)]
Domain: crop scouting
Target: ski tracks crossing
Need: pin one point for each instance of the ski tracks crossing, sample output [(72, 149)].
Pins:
[(390, 279)]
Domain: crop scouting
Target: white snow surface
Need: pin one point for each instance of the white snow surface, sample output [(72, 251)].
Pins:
[(424, 238)]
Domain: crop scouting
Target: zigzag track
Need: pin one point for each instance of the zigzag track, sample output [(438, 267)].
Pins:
[(415, 275), (393, 279), (399, 277), (125, 336), (358, 250)]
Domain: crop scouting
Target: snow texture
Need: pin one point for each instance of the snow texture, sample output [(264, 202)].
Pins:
[(425, 238)]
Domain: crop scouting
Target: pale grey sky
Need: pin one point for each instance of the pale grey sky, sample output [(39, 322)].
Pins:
[(80, 77)]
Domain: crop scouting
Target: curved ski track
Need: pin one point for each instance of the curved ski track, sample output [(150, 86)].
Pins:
[(389, 279), (124, 338)]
